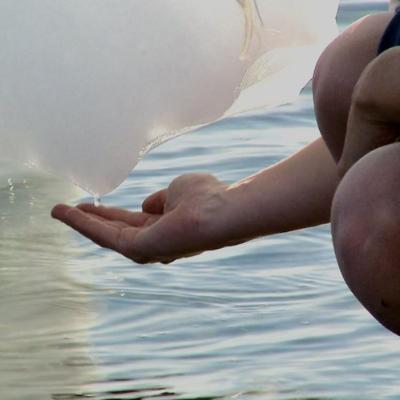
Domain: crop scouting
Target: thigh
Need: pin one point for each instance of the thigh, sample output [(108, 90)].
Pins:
[(337, 72), (366, 233)]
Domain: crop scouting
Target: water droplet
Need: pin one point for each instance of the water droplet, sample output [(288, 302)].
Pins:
[(97, 201), (11, 194)]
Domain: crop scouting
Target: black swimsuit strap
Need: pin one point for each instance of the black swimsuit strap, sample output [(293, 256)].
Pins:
[(391, 37)]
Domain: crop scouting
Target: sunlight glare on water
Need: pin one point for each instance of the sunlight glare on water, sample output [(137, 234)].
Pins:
[(271, 319)]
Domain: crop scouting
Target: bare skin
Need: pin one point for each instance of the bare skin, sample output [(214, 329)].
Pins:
[(374, 118), (337, 74), (366, 208), (367, 248), (366, 233)]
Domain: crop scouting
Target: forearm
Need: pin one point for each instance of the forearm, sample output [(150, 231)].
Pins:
[(293, 194)]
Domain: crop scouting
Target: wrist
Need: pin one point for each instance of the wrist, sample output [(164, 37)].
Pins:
[(225, 216)]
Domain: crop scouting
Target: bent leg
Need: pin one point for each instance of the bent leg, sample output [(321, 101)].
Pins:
[(366, 233), (337, 73), (374, 118)]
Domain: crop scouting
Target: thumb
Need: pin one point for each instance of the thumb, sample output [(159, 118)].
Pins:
[(154, 204)]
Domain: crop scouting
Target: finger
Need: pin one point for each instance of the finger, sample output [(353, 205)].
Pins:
[(100, 232), (154, 204), (118, 224), (59, 211), (121, 224), (117, 214), (166, 239)]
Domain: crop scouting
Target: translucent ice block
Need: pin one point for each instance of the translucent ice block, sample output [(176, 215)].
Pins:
[(86, 85)]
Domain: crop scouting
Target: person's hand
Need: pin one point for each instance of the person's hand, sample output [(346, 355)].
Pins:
[(185, 219)]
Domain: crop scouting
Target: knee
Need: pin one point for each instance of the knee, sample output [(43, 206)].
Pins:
[(366, 233), (377, 92), (337, 72)]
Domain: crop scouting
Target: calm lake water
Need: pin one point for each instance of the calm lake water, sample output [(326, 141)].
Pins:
[(271, 319)]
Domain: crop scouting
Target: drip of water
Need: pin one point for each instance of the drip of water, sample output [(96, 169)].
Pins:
[(11, 196), (97, 201)]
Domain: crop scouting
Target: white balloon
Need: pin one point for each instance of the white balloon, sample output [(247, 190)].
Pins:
[(86, 86)]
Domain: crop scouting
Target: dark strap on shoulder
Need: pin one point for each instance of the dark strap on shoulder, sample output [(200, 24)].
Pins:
[(391, 37)]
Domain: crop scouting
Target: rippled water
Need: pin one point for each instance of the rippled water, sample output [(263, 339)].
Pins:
[(271, 319)]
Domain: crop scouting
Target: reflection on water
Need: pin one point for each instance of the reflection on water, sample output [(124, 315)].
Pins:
[(269, 320), (44, 313)]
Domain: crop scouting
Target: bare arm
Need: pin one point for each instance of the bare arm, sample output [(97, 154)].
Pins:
[(293, 194), (198, 213)]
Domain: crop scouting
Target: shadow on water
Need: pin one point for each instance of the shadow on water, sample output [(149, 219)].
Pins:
[(163, 393), (44, 318), (153, 394)]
